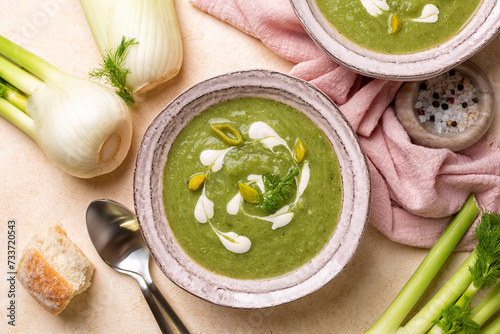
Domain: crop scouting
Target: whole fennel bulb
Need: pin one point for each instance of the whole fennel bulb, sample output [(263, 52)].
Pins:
[(82, 126)]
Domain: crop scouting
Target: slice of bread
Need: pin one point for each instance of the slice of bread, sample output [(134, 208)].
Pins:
[(53, 270)]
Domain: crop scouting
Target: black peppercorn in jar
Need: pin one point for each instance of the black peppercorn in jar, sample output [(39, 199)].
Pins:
[(449, 101)]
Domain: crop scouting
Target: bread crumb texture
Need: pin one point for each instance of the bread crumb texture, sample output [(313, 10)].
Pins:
[(53, 270)]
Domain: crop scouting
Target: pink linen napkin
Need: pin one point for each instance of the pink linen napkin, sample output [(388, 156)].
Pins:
[(416, 190)]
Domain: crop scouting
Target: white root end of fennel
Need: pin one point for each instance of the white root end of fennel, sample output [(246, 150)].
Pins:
[(158, 54), (110, 148)]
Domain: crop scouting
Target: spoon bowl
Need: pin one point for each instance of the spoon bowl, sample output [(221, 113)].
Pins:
[(115, 233)]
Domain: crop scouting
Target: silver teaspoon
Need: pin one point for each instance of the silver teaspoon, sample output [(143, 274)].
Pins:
[(115, 233)]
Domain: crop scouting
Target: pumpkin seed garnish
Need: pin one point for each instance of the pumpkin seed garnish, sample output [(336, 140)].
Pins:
[(299, 152), (197, 181), (394, 24), (248, 193)]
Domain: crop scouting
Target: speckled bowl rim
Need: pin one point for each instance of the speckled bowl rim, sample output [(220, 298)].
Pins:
[(456, 141), (148, 190), (480, 30)]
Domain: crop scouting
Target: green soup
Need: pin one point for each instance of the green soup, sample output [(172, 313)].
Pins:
[(398, 26), (283, 157)]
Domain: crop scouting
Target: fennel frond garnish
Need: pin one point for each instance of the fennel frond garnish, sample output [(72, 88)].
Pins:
[(277, 190), (152, 24), (114, 72)]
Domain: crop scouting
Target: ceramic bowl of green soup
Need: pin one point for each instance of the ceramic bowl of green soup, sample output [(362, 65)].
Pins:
[(400, 40), (251, 189)]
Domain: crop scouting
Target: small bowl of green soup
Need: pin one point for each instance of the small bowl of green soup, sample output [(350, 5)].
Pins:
[(400, 40), (251, 189)]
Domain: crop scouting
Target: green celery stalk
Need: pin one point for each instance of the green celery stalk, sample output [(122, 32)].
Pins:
[(394, 315), (487, 307), (448, 294), (492, 328), (465, 320), (485, 273)]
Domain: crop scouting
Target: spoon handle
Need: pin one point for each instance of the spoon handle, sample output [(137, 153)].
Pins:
[(168, 322), (174, 321)]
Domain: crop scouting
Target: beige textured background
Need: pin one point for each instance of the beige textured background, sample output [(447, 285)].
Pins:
[(38, 195)]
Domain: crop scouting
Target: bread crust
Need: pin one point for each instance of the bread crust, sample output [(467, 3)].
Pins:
[(43, 282)]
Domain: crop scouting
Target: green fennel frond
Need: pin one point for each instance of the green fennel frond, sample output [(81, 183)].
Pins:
[(456, 319), (271, 181), (277, 190), (112, 70), (486, 270)]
